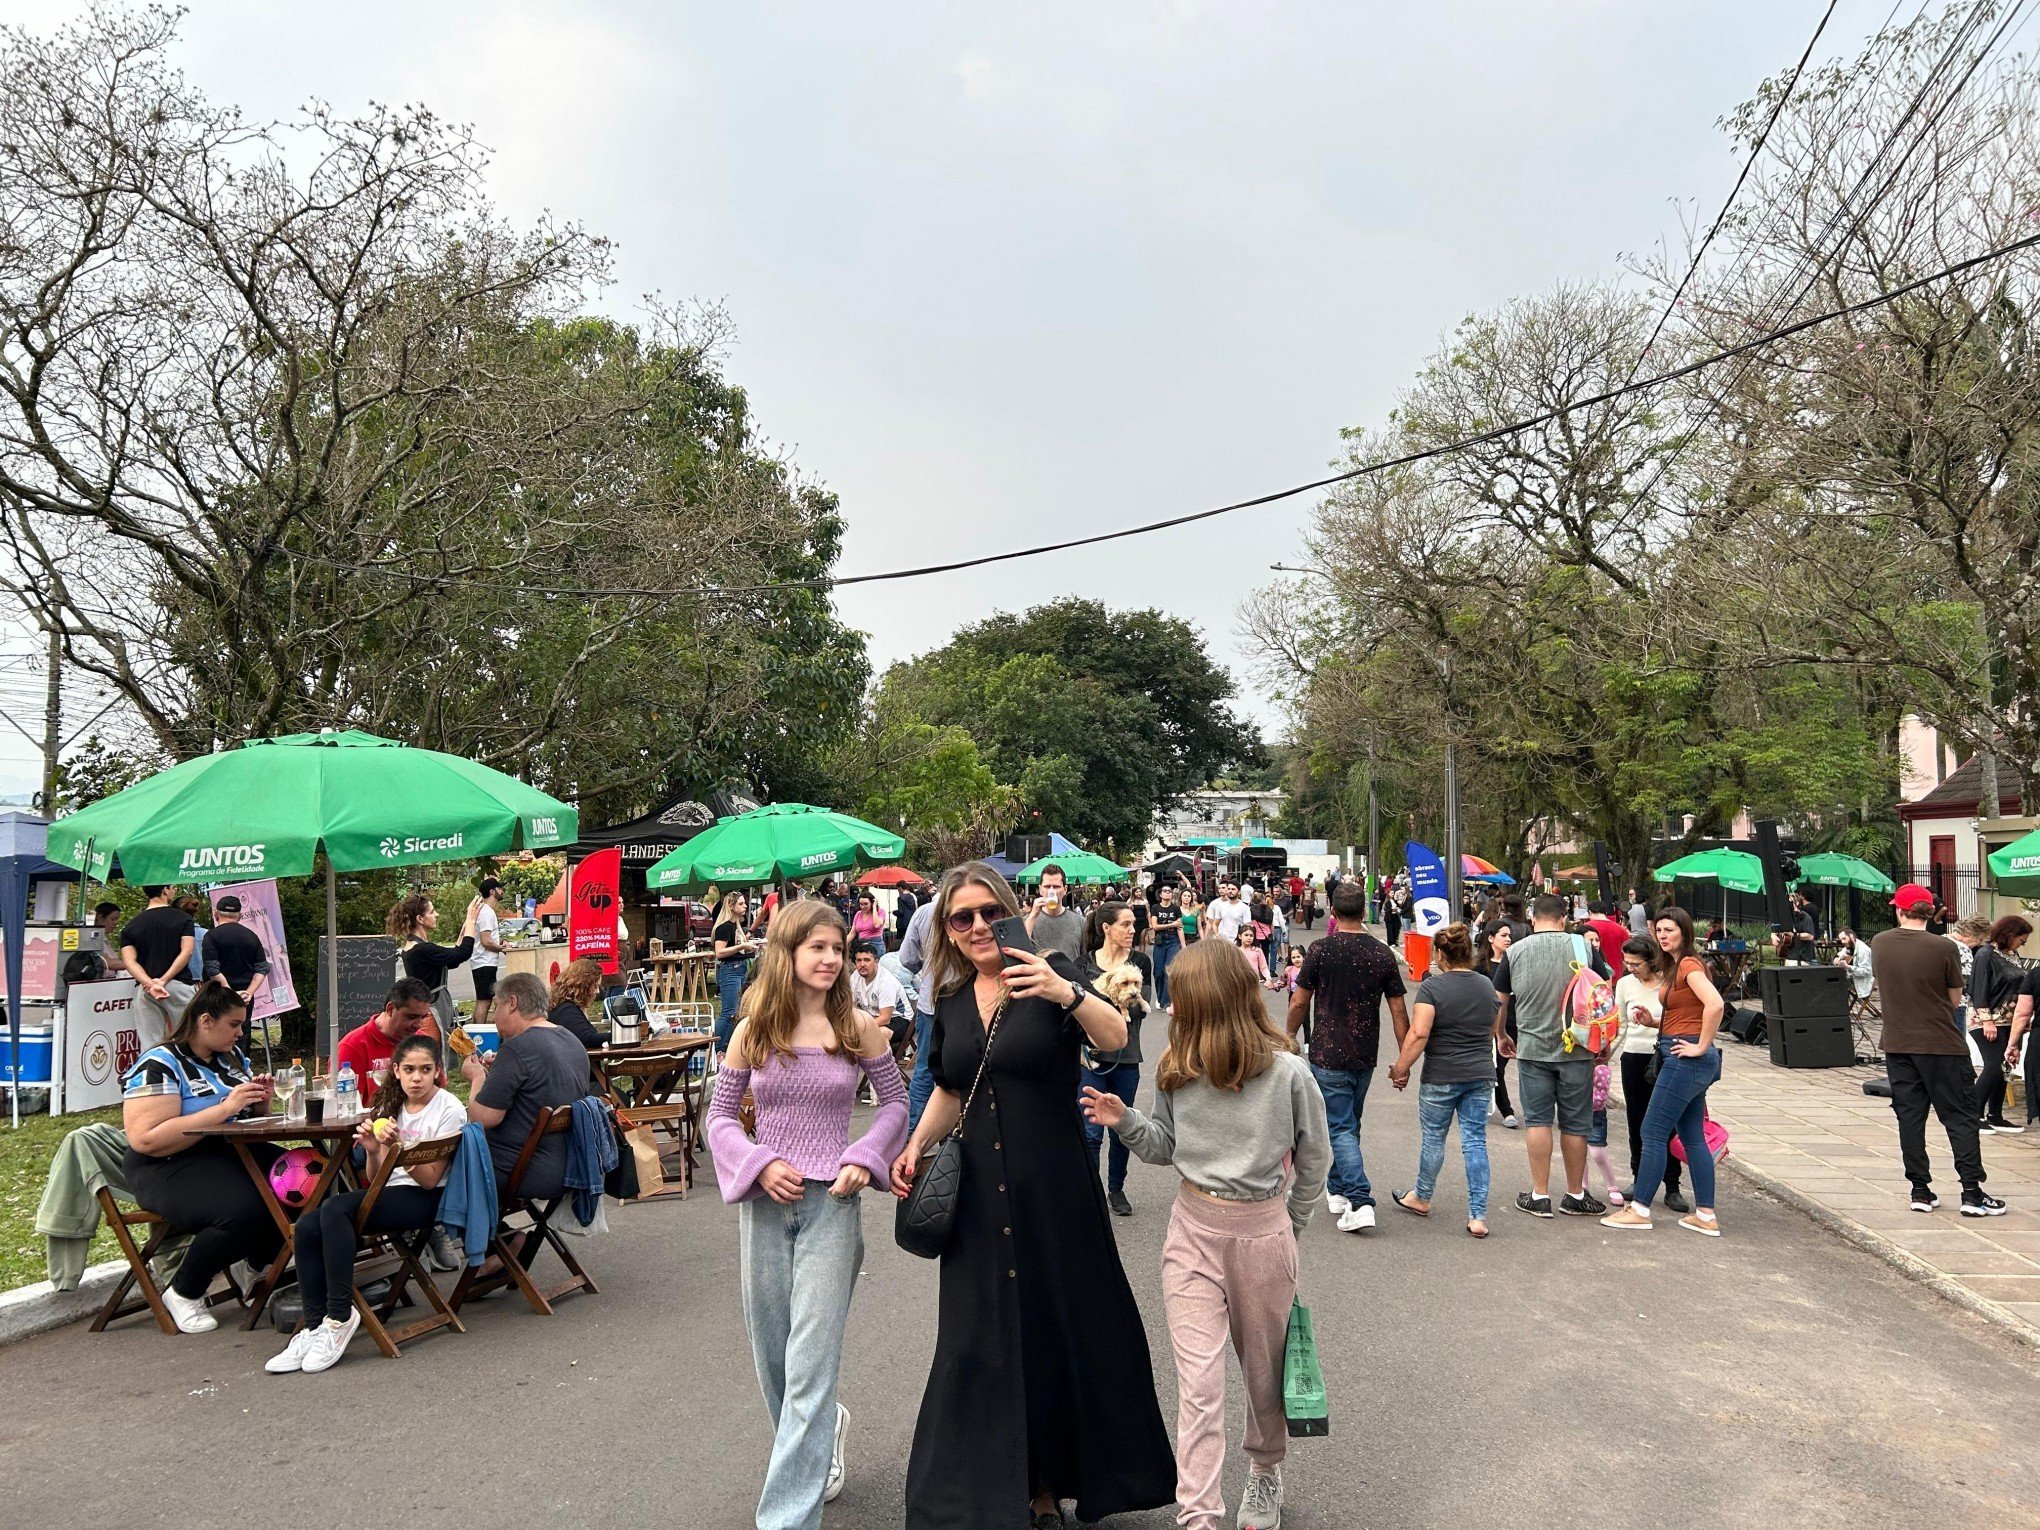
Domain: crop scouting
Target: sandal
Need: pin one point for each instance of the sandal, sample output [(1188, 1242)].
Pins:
[(1406, 1206), (1477, 1228)]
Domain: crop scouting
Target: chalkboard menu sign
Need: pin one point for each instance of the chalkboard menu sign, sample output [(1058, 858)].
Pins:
[(367, 965)]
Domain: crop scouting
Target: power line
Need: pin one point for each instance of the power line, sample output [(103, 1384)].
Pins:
[(1810, 261), (1531, 422)]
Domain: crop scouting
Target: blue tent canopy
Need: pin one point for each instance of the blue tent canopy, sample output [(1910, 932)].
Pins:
[(23, 838)]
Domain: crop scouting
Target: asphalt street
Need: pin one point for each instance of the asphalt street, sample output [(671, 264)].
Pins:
[(1557, 1373)]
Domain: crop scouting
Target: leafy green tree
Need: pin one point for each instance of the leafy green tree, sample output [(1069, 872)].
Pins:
[(1098, 718)]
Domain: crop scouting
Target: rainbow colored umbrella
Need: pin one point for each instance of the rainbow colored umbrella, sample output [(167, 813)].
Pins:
[(1473, 869)]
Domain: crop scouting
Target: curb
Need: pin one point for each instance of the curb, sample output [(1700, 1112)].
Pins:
[(30, 1310), (1903, 1260)]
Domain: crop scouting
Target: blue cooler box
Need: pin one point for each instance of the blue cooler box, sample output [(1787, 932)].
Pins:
[(38, 1049), (483, 1036)]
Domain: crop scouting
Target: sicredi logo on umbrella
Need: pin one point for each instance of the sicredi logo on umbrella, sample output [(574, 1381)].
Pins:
[(223, 858), (392, 847)]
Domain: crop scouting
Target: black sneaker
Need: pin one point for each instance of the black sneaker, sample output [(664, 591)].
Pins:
[(2007, 1127), (1121, 1206), (1536, 1205), (1925, 1200), (1976, 1203), (1675, 1200), (1581, 1205), (1986, 1128)]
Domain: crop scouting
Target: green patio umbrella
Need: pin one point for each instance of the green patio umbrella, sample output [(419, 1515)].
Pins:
[(1082, 866), (779, 842), (1831, 868), (267, 808), (1737, 870), (2015, 869)]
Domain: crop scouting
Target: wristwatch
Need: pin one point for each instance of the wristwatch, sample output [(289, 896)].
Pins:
[(1077, 992)]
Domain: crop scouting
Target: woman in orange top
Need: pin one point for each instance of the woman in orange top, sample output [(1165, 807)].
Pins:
[(1688, 1064)]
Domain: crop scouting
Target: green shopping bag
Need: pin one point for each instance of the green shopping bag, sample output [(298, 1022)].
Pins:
[(1303, 1379)]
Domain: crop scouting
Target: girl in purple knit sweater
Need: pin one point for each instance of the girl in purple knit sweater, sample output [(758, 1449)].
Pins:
[(801, 1050)]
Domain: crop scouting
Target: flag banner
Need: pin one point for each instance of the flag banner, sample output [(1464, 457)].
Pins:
[(260, 913), (591, 907), (1430, 892)]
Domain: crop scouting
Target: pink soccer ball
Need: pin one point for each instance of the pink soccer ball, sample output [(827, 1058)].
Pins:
[(293, 1175)]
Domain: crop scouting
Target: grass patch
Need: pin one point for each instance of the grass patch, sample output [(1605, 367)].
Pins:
[(25, 1155)]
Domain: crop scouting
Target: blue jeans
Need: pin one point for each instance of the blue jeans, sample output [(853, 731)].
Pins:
[(1124, 1081), (1167, 948), (1345, 1098), (1437, 1104), (923, 1083), (798, 1265), (1678, 1107), (729, 984)]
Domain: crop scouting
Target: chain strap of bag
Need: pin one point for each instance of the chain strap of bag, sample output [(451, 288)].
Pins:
[(926, 1220)]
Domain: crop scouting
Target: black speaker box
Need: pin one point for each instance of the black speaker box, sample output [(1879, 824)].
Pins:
[(1794, 993), (1821, 1041), (1745, 1024), (1026, 849)]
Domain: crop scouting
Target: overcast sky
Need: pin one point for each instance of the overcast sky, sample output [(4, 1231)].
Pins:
[(1003, 274)]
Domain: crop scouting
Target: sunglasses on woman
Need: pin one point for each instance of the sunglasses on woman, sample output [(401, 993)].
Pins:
[(961, 919)]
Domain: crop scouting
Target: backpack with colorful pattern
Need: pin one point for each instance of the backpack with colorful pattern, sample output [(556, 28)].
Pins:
[(1587, 1014)]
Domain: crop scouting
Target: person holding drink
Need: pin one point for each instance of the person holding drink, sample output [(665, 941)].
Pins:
[(199, 1077), (408, 1108)]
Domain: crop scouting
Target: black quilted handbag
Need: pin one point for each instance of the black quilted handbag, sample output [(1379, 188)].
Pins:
[(926, 1219)]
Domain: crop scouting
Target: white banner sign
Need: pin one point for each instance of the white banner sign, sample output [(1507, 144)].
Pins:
[(101, 1033), (260, 914)]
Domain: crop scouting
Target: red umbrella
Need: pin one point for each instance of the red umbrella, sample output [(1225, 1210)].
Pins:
[(891, 876)]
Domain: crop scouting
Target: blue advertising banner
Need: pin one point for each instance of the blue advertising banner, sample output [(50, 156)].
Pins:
[(1430, 892)]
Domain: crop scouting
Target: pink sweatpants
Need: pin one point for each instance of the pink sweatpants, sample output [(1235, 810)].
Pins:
[(1228, 1269)]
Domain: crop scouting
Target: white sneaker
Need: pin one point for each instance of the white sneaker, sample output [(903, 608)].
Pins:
[(293, 1356), (1511, 1122), (1337, 1205), (329, 1343), (835, 1486), (1261, 1504), (189, 1313), (1359, 1219)]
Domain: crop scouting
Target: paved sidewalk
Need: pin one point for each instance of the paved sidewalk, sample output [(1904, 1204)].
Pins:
[(1813, 1134)]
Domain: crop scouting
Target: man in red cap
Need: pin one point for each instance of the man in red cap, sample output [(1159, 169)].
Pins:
[(1919, 976)]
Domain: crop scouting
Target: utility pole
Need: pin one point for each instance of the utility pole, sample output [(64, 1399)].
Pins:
[(1373, 825), (1453, 865), (53, 723)]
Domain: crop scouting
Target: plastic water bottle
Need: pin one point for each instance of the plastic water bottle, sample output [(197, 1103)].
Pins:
[(346, 1094), (293, 1086)]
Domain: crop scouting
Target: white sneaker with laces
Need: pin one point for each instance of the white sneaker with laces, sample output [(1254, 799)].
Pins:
[(329, 1343), (1261, 1504), (189, 1313), (1337, 1205), (293, 1356), (835, 1487), (1359, 1219)]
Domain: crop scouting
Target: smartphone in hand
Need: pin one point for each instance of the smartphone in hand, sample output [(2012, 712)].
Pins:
[(1011, 934)]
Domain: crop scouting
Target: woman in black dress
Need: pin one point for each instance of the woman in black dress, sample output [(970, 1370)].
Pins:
[(1042, 1387)]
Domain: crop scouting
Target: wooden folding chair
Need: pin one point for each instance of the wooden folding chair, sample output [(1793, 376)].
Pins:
[(377, 1248), (141, 1275), (517, 1250), (673, 1119)]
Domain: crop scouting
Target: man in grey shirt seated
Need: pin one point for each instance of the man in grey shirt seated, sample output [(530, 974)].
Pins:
[(1054, 925)]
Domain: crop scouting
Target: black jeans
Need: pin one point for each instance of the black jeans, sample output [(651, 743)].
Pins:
[(1948, 1084), (1990, 1083), (1636, 1090), (1502, 1075), (204, 1191), (326, 1243)]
